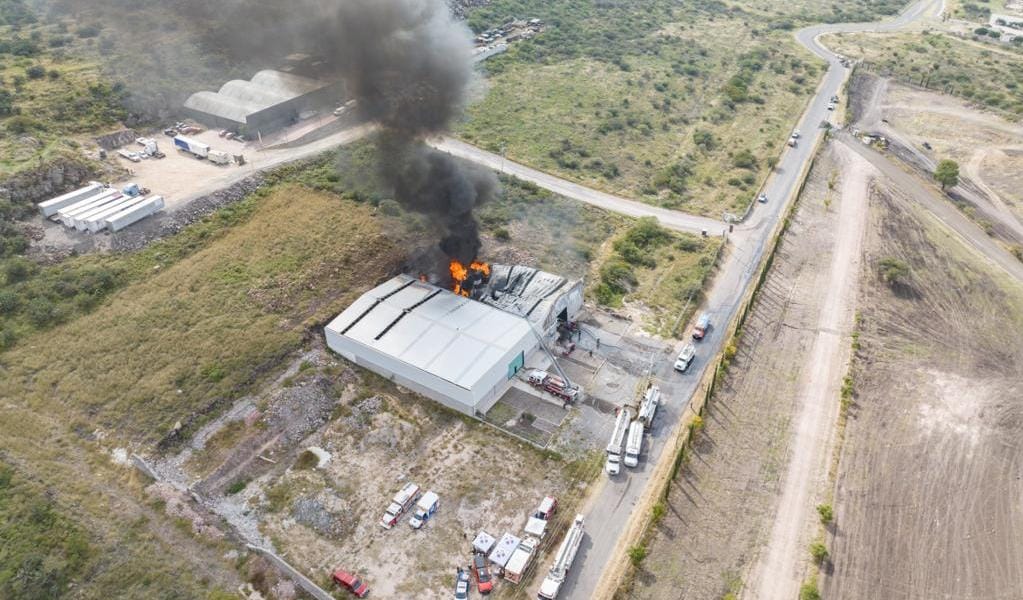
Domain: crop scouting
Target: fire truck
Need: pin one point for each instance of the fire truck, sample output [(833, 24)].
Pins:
[(553, 384)]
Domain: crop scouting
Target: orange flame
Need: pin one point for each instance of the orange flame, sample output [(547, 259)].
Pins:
[(459, 273)]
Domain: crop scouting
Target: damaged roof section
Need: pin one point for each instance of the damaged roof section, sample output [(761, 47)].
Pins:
[(534, 294)]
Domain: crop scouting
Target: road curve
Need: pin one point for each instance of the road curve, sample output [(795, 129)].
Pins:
[(669, 218), (614, 501)]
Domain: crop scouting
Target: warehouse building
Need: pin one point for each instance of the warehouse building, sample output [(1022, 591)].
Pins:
[(269, 101), (454, 350)]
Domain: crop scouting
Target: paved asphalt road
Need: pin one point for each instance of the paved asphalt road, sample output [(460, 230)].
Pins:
[(669, 218), (612, 503)]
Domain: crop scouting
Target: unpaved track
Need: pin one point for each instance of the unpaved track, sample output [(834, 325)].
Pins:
[(779, 569)]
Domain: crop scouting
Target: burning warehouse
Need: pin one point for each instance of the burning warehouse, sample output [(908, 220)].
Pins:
[(460, 347)]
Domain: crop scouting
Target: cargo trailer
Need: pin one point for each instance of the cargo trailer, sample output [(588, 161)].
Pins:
[(98, 222), (50, 207), (67, 214), (191, 146), (134, 214), (80, 220), (218, 157)]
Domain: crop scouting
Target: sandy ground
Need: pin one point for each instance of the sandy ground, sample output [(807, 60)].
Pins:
[(723, 506), (781, 567), (928, 497), (986, 146)]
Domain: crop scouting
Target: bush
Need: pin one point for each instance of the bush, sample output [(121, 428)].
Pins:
[(744, 159), (42, 312), (307, 460), (809, 591), (501, 234), (20, 124), (236, 487), (88, 31), (893, 271), (819, 552), (17, 269), (826, 513), (8, 302), (35, 72), (636, 555)]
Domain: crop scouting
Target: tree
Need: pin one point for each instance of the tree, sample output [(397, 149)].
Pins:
[(947, 173)]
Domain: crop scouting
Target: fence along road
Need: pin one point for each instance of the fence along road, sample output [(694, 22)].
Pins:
[(612, 504)]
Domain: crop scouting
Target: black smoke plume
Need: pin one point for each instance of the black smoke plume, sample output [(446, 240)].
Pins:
[(408, 65)]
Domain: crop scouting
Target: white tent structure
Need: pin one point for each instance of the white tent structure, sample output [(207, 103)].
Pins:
[(459, 352)]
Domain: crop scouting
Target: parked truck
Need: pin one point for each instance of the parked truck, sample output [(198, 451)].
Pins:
[(194, 147), (401, 502), (520, 559), (634, 445), (425, 509), (553, 384), (648, 407), (219, 157), (562, 561), (615, 447)]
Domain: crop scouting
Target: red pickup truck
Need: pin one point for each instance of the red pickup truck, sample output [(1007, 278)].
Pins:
[(351, 583)]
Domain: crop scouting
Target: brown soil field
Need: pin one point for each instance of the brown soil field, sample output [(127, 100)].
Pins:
[(723, 504), (928, 495)]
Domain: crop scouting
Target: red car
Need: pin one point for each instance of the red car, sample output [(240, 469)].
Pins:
[(484, 581), (351, 582)]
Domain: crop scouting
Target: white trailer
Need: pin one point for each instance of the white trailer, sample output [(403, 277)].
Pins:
[(98, 222), (66, 215), (562, 561), (191, 146), (134, 214), (50, 207), (617, 443), (634, 447), (79, 221)]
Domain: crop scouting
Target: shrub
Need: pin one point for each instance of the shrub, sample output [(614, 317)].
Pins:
[(819, 552), (826, 513), (20, 124), (893, 271), (88, 31), (17, 269), (42, 312), (8, 302), (744, 159), (237, 486), (307, 460), (658, 511), (35, 72), (502, 234), (809, 591), (636, 555)]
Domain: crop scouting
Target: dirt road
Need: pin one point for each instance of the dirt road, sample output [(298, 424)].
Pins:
[(780, 568), (948, 214), (669, 218)]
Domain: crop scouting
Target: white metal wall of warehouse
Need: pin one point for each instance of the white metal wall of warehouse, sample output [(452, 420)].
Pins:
[(456, 351)]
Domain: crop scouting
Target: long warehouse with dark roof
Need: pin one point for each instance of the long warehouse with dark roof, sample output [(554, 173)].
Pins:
[(455, 350), (269, 101)]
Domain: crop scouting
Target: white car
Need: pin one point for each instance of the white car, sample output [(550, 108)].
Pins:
[(685, 358), (831, 106)]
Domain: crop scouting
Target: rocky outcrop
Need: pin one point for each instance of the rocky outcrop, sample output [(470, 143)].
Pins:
[(117, 139), (49, 179)]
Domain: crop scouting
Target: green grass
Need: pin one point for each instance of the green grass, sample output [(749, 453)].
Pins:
[(990, 78), (653, 100)]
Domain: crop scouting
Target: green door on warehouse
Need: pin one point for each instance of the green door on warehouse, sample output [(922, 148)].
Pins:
[(515, 365)]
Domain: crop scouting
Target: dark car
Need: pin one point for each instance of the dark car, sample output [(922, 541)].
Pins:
[(462, 585), (351, 583), (484, 581)]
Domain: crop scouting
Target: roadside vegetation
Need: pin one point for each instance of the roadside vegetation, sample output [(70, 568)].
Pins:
[(681, 105), (989, 78)]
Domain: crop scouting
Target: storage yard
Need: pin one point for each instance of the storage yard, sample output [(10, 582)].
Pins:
[(97, 207)]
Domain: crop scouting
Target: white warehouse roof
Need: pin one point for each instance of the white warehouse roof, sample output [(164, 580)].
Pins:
[(432, 330)]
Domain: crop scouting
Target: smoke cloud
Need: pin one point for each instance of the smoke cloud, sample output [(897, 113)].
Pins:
[(408, 65)]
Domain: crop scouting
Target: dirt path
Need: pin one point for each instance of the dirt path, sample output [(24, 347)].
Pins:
[(780, 568)]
